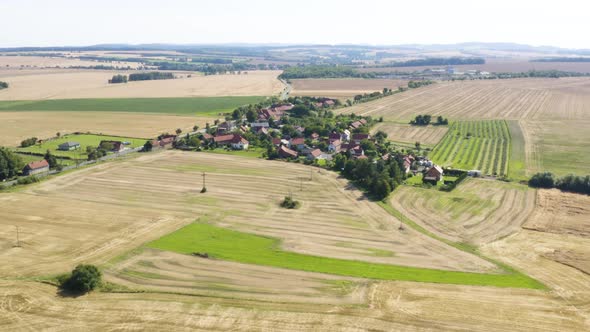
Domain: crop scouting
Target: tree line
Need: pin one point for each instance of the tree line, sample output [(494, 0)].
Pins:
[(323, 71), (562, 59), (425, 120), (572, 183), (155, 75), (452, 61)]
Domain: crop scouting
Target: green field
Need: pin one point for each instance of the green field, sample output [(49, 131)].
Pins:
[(27, 158), (516, 164), (225, 244), (84, 140), (186, 106), (486, 148)]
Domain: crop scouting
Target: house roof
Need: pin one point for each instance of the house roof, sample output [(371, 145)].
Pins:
[(223, 138), (297, 141), (207, 136), (239, 139), (316, 153), (286, 152), (334, 136), (37, 164), (69, 144), (360, 136), (435, 169)]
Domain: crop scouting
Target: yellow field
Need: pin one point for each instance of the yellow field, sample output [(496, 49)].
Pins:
[(564, 98), (406, 133), (469, 213), (16, 126), (341, 87), (71, 84), (142, 198), (18, 62)]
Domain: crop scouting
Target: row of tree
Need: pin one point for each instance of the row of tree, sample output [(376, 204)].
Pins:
[(323, 71), (118, 79), (155, 75), (28, 142), (452, 61), (425, 120), (572, 183)]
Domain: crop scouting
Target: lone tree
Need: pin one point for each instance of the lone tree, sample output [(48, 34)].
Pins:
[(83, 279), (148, 146)]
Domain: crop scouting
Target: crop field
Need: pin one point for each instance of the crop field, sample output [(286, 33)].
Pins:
[(160, 194), (559, 146), (77, 84), (564, 98), (17, 126), (468, 214), (38, 62), (405, 133), (483, 145), (342, 88), (85, 140)]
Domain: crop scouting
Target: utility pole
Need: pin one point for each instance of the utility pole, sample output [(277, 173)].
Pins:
[(17, 237), (204, 179)]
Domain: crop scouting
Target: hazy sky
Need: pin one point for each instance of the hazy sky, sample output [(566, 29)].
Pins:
[(564, 23)]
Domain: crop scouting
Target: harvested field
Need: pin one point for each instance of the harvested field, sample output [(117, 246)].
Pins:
[(468, 214), (147, 197), (559, 146), (499, 66), (561, 213), (483, 145), (564, 98), (73, 84), (341, 87), (406, 133), (17, 126), (27, 62)]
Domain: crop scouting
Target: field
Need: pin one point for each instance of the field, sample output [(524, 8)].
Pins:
[(146, 198), (564, 98), (559, 146), (468, 214), (483, 145), (76, 84), (17, 126), (10, 63), (342, 88), (85, 141), (405, 133)]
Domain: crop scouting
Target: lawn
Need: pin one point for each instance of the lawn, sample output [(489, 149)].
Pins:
[(27, 158), (225, 244), (185, 106), (84, 140)]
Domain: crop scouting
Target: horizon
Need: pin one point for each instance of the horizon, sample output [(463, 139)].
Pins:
[(71, 23)]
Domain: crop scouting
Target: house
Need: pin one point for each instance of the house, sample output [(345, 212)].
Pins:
[(346, 135), (262, 130), (239, 143), (298, 142), (276, 141), (162, 143), (285, 152), (117, 145), (357, 138), (356, 125), (356, 151), (207, 137), (408, 161), (315, 154), (226, 127), (434, 174), (36, 167), (68, 146), (334, 137), (223, 139), (329, 103), (275, 112), (335, 146), (256, 126), (315, 136)]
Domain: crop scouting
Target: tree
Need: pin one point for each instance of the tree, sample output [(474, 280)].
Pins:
[(417, 145), (178, 131), (84, 278), (148, 146), (28, 142), (251, 115), (51, 160), (195, 128), (542, 180), (10, 164), (380, 136)]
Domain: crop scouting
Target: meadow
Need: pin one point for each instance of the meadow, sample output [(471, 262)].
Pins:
[(241, 247), (483, 145), (85, 140), (198, 106)]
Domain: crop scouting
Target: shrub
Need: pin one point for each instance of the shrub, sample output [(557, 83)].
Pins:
[(27, 180), (542, 180), (84, 278), (290, 203)]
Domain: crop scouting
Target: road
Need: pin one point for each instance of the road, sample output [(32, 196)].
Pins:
[(286, 91)]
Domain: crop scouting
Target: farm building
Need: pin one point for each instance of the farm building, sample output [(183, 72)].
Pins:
[(434, 174), (163, 143), (68, 146), (298, 142), (335, 146), (285, 152), (36, 167), (117, 145), (239, 143), (357, 138)]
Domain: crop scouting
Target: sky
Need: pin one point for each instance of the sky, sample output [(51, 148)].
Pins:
[(563, 23)]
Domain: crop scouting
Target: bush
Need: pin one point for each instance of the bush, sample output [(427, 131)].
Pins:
[(542, 180), (83, 279), (290, 203), (28, 142), (27, 180)]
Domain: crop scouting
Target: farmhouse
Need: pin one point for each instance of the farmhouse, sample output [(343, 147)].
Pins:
[(357, 138), (298, 142), (335, 146), (163, 143), (435, 174), (117, 145), (68, 146), (225, 127), (408, 161), (239, 143), (315, 154), (285, 152), (36, 167)]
